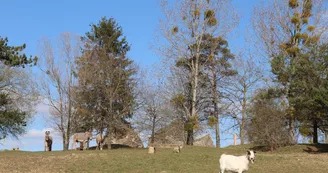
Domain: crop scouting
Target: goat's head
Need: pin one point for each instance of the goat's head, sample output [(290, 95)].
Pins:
[(251, 155), (47, 135), (89, 134)]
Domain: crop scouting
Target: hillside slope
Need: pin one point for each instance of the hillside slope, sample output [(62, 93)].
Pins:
[(192, 159)]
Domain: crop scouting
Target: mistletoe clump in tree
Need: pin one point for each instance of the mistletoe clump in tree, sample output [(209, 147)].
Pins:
[(289, 33)]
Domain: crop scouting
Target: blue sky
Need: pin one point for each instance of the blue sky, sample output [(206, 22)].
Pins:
[(29, 21)]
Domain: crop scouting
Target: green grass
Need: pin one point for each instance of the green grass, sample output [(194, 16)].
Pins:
[(191, 160)]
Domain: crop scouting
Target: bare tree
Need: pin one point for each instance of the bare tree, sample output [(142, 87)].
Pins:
[(183, 28), (268, 124), (59, 79), (154, 111), (240, 89), (150, 115)]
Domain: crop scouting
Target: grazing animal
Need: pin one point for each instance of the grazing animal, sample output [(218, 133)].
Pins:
[(237, 164), (16, 149), (177, 149), (47, 141), (81, 137), (152, 150), (100, 141)]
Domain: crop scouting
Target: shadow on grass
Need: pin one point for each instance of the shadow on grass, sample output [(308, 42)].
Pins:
[(309, 148), (260, 148), (316, 148), (113, 146)]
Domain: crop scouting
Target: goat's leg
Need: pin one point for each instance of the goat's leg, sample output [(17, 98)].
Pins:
[(73, 144), (84, 145), (99, 145), (221, 170)]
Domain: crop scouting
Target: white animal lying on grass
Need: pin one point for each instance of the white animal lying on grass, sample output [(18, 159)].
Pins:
[(152, 150), (237, 164), (177, 149)]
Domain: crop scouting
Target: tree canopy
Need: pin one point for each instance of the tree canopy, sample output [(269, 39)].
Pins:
[(105, 73), (13, 118), (13, 56)]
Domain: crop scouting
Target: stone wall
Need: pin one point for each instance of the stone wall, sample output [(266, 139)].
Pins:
[(130, 139), (173, 135), (204, 141)]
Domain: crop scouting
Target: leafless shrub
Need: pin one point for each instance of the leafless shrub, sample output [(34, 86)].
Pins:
[(268, 124)]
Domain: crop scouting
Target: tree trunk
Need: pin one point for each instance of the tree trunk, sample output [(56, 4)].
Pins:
[(192, 112), (315, 131), (66, 146), (215, 105), (68, 130), (64, 140), (291, 129), (61, 108), (217, 127), (153, 130), (108, 139), (243, 118), (190, 131), (326, 137), (102, 137), (190, 136), (217, 133), (111, 124), (242, 134)]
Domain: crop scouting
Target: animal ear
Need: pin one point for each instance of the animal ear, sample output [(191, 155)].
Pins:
[(248, 152)]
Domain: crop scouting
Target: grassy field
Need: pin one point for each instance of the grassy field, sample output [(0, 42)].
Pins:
[(294, 159)]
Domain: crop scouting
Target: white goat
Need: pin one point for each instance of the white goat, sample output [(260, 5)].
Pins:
[(151, 150), (237, 164), (177, 149)]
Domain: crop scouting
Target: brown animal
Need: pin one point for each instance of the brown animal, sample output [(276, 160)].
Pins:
[(81, 146), (81, 137), (47, 141)]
